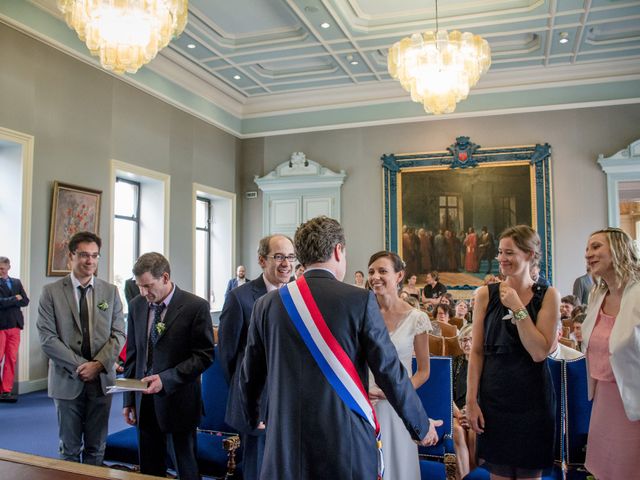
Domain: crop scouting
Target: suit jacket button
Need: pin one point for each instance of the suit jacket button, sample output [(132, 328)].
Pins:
[(79, 342)]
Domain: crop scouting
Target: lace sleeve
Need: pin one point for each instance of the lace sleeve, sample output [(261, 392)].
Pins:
[(423, 324)]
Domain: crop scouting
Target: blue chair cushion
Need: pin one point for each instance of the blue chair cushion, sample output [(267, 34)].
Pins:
[(432, 470), (556, 369), (578, 408), (122, 446), (482, 474), (436, 396)]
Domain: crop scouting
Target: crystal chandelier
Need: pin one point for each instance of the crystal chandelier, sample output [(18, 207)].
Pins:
[(125, 34), (439, 68)]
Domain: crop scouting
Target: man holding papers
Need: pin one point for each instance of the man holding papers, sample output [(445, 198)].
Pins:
[(169, 345)]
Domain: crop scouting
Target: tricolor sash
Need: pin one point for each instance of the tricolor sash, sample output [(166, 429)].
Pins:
[(333, 361)]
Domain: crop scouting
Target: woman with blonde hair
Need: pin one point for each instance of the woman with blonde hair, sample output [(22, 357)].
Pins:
[(510, 396), (408, 328), (611, 341)]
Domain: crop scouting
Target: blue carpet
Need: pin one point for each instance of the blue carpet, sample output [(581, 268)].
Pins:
[(31, 425)]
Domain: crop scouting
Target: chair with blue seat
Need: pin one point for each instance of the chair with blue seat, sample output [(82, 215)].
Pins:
[(578, 415), (218, 444), (438, 461)]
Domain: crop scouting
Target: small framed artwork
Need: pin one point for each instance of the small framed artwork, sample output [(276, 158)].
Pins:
[(73, 209), (445, 210)]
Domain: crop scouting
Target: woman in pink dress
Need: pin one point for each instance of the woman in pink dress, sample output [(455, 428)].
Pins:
[(611, 340)]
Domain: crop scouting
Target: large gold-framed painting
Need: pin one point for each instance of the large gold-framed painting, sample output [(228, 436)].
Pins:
[(445, 210), (73, 209)]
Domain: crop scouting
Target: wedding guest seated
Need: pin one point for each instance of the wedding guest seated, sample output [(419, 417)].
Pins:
[(443, 315), (462, 311), (563, 352), (576, 336), (433, 290), (567, 304), (359, 279), (299, 270), (464, 439), (411, 288), (411, 301)]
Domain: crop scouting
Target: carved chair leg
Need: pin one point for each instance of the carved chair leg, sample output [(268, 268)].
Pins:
[(231, 444), (450, 466)]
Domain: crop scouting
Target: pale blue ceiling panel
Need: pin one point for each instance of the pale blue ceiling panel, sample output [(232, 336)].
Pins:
[(632, 53), (620, 13), (312, 84), (191, 47), (293, 52)]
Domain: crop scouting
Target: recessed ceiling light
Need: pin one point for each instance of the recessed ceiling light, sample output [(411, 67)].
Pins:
[(352, 60), (191, 45), (237, 77), (564, 37), (325, 25)]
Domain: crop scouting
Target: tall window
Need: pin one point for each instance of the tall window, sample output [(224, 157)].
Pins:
[(450, 212), (203, 249), (505, 212), (126, 231)]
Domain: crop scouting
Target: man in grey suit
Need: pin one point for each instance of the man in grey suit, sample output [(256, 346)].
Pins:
[(81, 330)]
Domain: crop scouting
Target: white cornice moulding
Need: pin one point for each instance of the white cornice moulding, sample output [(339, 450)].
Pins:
[(387, 92)]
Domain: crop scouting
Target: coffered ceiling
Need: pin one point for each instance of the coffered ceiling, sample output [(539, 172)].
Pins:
[(260, 67)]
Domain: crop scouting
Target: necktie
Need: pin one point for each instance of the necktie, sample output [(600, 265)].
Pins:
[(84, 322), (153, 334)]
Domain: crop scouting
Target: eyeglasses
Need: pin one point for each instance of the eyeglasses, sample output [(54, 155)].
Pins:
[(279, 258), (87, 255)]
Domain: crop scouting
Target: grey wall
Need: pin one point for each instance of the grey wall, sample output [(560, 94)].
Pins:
[(579, 188), (82, 118)]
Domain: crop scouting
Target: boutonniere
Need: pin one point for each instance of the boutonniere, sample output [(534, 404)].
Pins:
[(103, 305), (509, 316), (160, 327)]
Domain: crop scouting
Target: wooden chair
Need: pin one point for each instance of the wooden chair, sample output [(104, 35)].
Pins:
[(566, 331), (567, 343), (447, 329), (215, 335), (436, 345), (452, 347), (457, 321)]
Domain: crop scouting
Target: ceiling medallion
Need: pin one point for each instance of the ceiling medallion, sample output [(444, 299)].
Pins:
[(439, 68), (125, 34)]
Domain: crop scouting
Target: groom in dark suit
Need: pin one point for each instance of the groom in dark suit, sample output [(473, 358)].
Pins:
[(276, 257), (311, 433), (169, 345)]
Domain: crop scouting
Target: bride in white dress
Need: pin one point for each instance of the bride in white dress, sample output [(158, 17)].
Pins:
[(408, 328)]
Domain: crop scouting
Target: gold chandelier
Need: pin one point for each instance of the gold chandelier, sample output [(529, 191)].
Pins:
[(125, 34), (439, 68)]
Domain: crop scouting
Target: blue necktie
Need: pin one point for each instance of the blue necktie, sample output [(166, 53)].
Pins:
[(153, 334)]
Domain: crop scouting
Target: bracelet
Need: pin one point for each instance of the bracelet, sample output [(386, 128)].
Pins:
[(520, 314)]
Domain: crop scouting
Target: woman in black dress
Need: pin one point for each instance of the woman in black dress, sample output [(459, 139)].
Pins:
[(510, 399)]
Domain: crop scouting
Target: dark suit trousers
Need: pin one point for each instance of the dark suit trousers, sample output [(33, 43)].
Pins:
[(153, 446), (252, 453)]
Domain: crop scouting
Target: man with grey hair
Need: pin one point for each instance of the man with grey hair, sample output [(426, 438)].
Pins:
[(312, 432), (169, 345), (276, 258)]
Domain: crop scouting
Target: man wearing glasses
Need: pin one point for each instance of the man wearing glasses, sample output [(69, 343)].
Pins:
[(81, 330), (277, 259)]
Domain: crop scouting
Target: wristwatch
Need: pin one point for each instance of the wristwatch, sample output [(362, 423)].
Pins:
[(520, 314)]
